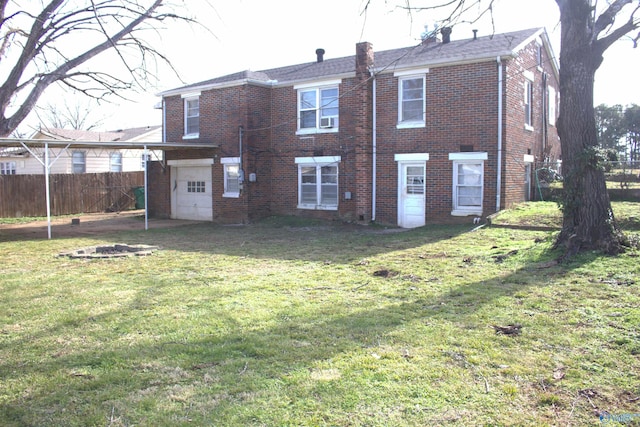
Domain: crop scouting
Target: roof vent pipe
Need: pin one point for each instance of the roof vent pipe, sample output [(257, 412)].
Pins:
[(475, 34), (446, 34), (320, 54)]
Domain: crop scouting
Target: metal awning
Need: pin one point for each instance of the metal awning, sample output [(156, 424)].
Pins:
[(46, 144)]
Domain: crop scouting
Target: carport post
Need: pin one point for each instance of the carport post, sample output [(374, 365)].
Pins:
[(47, 169), (146, 192)]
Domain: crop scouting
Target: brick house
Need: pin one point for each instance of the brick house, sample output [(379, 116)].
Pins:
[(438, 132)]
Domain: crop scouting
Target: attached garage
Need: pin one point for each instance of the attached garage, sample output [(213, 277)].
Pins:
[(191, 189)]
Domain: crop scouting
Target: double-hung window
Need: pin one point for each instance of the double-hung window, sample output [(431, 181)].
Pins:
[(231, 167), (411, 98), (552, 106), (191, 116), (318, 182), (78, 162), (115, 162), (528, 101), (318, 108), (468, 183), (7, 168)]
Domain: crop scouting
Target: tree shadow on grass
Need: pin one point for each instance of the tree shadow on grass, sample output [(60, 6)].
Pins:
[(148, 358)]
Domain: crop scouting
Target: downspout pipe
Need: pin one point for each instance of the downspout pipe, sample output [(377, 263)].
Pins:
[(499, 168), (374, 156)]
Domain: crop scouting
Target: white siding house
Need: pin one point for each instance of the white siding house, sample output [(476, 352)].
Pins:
[(19, 161)]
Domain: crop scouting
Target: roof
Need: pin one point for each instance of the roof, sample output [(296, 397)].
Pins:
[(424, 54), (87, 135)]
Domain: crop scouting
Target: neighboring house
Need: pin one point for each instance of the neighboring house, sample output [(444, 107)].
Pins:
[(19, 161), (432, 133)]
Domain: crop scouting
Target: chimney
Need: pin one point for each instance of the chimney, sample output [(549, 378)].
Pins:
[(475, 34), (364, 59), (446, 34), (320, 55)]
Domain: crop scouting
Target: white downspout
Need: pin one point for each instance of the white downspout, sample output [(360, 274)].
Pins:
[(499, 169), (146, 188), (47, 172), (374, 144)]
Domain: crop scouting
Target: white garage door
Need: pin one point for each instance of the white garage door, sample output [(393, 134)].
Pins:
[(192, 193)]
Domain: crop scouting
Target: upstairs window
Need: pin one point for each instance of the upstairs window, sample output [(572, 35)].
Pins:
[(411, 99), (468, 183), (115, 162), (78, 162), (528, 104), (552, 106), (318, 108), (7, 168), (192, 116)]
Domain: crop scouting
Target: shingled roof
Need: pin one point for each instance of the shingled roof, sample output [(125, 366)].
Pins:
[(424, 54)]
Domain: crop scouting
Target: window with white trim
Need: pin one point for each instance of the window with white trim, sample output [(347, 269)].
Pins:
[(468, 183), (411, 101), (552, 106), (78, 162), (115, 162), (231, 167), (144, 158), (7, 168), (318, 108), (318, 182), (192, 117), (528, 104)]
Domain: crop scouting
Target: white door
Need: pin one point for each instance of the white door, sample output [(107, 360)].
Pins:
[(411, 194), (192, 193)]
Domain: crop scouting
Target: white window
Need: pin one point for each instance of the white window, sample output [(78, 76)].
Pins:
[(192, 116), (468, 183), (528, 104), (318, 182), (411, 101), (115, 162), (78, 162), (552, 106), (7, 168), (144, 158), (232, 183), (196, 187), (318, 109)]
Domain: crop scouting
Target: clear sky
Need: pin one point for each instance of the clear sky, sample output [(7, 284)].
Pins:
[(261, 34)]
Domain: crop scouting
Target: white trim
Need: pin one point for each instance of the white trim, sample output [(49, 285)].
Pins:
[(318, 160), (478, 155), (313, 131), (407, 73), (317, 84), (411, 157), (191, 162), (190, 95), (230, 160), (405, 124), (528, 158), (191, 136), (528, 75)]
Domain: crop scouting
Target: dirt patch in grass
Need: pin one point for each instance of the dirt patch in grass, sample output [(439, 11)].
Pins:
[(86, 225)]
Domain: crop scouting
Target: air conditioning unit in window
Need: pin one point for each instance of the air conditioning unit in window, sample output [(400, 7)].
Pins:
[(327, 122)]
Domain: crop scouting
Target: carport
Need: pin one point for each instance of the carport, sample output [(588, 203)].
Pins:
[(45, 145)]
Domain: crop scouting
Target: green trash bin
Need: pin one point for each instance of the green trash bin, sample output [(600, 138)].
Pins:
[(138, 192)]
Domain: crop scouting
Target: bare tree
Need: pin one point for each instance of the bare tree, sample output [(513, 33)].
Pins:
[(588, 28), (42, 43), (76, 115)]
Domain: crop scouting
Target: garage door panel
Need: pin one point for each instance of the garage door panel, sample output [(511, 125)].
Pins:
[(193, 193)]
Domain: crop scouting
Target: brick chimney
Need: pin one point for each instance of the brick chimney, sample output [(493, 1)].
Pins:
[(320, 55), (364, 59), (446, 34)]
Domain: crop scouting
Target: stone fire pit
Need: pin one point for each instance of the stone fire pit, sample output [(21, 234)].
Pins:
[(111, 251)]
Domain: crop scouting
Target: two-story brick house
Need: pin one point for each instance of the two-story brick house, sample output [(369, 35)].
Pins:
[(431, 133)]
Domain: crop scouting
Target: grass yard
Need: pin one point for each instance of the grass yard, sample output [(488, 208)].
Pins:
[(304, 323)]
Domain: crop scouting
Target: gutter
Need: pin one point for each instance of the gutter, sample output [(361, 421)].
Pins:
[(500, 107)]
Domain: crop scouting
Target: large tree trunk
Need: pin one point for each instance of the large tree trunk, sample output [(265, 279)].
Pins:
[(588, 221)]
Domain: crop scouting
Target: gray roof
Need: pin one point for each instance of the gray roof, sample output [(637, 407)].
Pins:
[(88, 135), (424, 54)]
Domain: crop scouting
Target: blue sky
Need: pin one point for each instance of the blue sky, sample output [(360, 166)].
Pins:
[(260, 34)]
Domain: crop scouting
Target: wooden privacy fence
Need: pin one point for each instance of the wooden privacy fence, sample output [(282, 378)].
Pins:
[(24, 195)]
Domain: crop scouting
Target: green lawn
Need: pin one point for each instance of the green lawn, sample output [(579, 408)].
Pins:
[(298, 323)]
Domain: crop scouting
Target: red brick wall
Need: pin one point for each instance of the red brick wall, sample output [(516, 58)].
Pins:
[(159, 188)]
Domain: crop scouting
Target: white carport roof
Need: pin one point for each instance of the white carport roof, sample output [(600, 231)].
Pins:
[(31, 144)]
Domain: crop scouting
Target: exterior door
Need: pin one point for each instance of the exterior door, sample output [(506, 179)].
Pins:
[(411, 194), (192, 193)]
